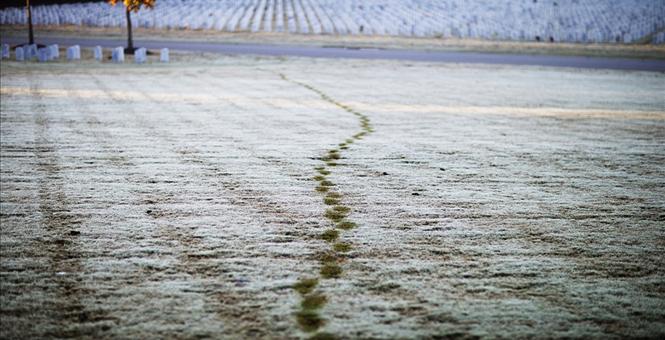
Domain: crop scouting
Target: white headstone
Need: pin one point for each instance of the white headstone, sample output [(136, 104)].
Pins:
[(118, 55), (43, 54), (70, 53), (97, 51), (54, 51), (5, 51), (140, 55), (74, 52), (164, 55), (30, 51), (20, 56)]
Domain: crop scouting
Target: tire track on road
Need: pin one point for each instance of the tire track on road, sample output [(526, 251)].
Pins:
[(331, 260)]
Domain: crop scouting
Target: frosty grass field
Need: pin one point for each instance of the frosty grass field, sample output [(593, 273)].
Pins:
[(187, 200)]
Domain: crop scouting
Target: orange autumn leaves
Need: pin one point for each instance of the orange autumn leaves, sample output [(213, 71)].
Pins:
[(134, 5)]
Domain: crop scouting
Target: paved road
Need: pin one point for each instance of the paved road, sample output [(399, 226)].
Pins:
[(370, 53)]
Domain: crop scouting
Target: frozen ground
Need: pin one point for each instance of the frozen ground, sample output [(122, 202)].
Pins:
[(179, 201)]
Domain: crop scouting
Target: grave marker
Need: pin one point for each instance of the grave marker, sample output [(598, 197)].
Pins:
[(140, 55), (74, 52), (164, 55), (20, 56), (54, 51), (97, 51), (30, 51), (118, 55), (43, 54)]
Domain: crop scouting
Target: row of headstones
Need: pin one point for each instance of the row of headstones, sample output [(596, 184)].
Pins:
[(52, 52), (420, 18)]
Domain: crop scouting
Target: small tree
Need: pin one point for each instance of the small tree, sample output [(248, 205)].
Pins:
[(132, 6)]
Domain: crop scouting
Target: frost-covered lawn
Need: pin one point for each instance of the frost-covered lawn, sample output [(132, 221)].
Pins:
[(179, 201)]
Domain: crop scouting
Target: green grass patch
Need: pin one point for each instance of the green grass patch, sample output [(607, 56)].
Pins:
[(323, 336), (344, 147), (326, 257), (324, 172), (313, 301), (334, 195), (309, 320), (331, 271), (330, 235), (342, 247), (334, 156), (319, 177), (322, 188), (346, 225), (341, 208), (334, 215), (305, 286), (331, 163), (326, 183), (330, 200)]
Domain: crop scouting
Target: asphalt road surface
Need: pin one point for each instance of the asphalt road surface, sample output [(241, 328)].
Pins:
[(368, 53)]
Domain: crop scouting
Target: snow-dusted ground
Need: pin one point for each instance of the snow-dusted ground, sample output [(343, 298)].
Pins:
[(177, 200), (614, 21)]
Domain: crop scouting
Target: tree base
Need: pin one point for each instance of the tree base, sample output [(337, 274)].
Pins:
[(21, 45), (132, 50)]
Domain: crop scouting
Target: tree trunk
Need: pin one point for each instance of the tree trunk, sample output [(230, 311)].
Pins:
[(31, 35), (130, 41)]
